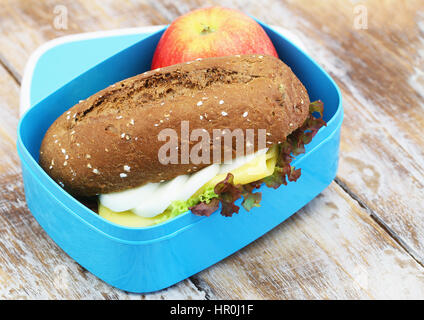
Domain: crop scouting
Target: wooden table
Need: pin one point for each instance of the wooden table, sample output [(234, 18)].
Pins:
[(363, 237)]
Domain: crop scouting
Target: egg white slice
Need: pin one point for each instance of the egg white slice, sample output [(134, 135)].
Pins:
[(197, 180), (179, 188), (128, 199), (161, 198), (153, 198)]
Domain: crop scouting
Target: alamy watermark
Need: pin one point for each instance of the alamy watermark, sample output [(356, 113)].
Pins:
[(60, 20), (360, 19), (207, 149)]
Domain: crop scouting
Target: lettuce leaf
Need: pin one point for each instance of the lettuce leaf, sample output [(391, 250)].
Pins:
[(208, 198), (226, 193)]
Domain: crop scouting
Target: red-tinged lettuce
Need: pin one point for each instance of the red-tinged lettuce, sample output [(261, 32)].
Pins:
[(251, 199), (294, 145), (204, 208), (228, 193)]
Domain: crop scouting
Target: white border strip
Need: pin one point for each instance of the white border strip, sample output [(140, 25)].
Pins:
[(25, 93)]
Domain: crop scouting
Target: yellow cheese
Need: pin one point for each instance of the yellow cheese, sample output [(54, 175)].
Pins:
[(129, 218), (260, 167)]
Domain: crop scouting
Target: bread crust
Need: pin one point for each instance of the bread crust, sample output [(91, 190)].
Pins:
[(109, 142)]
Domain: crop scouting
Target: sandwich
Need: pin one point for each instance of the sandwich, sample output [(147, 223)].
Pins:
[(145, 147)]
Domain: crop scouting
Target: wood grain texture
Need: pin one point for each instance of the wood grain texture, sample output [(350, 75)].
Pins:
[(32, 266), (331, 249), (380, 71), (334, 248), (25, 25)]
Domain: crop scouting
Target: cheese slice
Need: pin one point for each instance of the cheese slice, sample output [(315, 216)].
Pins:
[(130, 219)]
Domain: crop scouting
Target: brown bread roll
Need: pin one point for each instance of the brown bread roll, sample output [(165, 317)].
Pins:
[(109, 142)]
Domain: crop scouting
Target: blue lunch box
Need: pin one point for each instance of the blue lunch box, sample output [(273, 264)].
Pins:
[(152, 258)]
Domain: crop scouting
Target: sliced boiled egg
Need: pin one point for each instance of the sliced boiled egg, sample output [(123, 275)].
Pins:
[(161, 198), (128, 199), (152, 199)]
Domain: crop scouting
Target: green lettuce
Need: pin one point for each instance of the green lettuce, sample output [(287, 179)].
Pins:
[(294, 145), (179, 206)]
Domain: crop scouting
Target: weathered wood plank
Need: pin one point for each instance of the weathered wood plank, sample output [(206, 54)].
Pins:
[(32, 266), (331, 249), (380, 73), (25, 25), (28, 268)]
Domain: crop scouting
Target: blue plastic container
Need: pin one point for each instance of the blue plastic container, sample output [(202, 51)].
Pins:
[(153, 258)]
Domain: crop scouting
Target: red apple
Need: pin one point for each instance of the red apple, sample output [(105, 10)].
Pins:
[(211, 32)]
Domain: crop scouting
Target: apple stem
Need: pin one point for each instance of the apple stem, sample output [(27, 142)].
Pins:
[(206, 29)]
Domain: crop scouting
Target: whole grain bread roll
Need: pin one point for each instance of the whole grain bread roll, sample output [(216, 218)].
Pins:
[(109, 142)]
